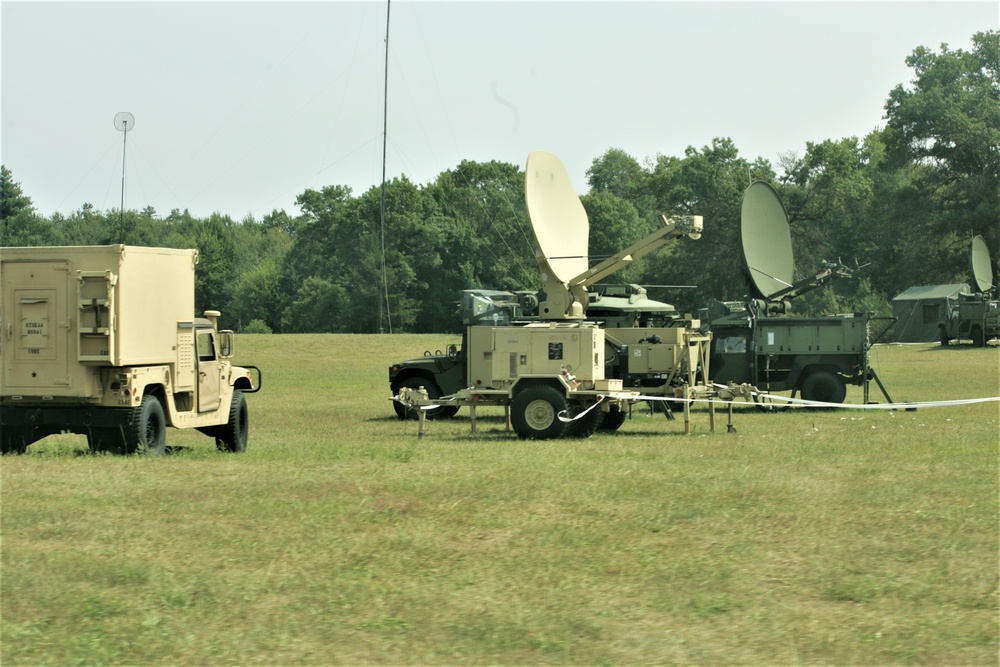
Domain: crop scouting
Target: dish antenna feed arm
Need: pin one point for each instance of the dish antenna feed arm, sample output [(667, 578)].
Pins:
[(562, 298), (780, 301), (562, 232)]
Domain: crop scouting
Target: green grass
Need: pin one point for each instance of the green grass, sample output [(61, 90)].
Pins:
[(840, 537)]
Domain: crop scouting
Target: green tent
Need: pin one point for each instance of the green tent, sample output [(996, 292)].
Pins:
[(919, 309)]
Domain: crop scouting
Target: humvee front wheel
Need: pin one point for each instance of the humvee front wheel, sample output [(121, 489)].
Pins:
[(535, 413), (406, 412), (232, 437)]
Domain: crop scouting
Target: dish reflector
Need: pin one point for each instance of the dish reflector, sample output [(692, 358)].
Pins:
[(124, 121), (766, 240), (982, 270), (558, 219)]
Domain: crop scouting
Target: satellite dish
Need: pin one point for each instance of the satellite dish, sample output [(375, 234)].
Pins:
[(766, 240), (124, 121), (558, 219), (982, 271)]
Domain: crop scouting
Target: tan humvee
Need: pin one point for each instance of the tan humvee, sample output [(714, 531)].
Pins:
[(101, 341)]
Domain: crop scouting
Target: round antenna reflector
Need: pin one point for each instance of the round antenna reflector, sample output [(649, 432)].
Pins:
[(124, 121), (982, 270), (558, 219), (766, 240)]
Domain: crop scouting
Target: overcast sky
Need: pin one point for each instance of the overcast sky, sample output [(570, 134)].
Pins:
[(241, 106)]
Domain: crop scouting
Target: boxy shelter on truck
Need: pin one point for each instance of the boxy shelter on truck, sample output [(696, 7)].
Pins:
[(919, 309)]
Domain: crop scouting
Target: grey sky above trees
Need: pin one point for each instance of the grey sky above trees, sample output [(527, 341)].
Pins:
[(242, 106)]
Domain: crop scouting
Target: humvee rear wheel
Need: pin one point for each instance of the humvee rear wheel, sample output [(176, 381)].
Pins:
[(406, 412), (148, 431), (613, 419), (535, 413), (13, 440), (232, 437), (824, 387)]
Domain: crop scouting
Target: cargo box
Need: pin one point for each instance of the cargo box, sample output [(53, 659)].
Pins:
[(67, 308)]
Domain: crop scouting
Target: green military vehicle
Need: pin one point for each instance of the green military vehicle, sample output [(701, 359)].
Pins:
[(758, 342), (100, 341), (975, 316)]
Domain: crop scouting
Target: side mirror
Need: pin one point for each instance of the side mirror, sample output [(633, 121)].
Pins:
[(225, 344)]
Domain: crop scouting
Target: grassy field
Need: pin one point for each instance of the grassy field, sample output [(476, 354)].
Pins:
[(835, 537)]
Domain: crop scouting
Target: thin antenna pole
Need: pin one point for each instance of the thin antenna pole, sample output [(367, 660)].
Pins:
[(121, 211), (385, 123), (127, 121)]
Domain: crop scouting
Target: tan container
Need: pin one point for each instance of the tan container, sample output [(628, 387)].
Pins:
[(501, 355), (65, 309)]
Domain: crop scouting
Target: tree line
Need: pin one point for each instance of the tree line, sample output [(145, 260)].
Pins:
[(900, 204)]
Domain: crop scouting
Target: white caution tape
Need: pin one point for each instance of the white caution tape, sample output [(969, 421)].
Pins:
[(802, 403), (564, 418)]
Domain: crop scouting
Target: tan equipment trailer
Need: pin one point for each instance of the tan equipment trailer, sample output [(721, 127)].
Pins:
[(101, 341), (550, 374)]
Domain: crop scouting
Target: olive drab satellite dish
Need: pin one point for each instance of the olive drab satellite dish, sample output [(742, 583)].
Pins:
[(559, 223), (982, 270), (766, 240)]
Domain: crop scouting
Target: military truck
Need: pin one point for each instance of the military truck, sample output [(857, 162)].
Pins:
[(101, 341), (553, 363), (758, 341), (974, 316)]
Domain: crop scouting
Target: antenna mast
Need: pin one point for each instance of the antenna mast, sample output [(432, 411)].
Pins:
[(384, 299), (124, 121)]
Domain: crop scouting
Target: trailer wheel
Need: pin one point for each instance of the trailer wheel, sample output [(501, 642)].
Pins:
[(535, 413), (613, 419), (825, 387), (978, 339), (943, 333), (587, 425), (404, 412), (233, 436), (148, 431)]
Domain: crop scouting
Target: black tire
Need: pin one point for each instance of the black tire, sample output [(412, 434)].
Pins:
[(764, 404), (105, 440), (404, 412), (147, 434), (825, 387), (978, 339), (535, 413), (944, 336), (613, 419), (14, 440), (587, 425), (232, 437)]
